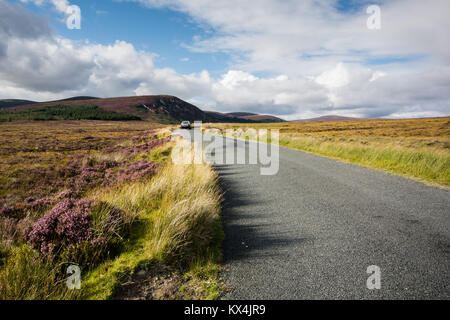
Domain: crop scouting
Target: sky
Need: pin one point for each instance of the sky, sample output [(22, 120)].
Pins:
[(294, 59)]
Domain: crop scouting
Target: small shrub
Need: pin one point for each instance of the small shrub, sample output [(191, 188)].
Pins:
[(67, 223), (137, 170), (77, 230)]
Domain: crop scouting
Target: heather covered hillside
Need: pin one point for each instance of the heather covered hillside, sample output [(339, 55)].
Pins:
[(159, 108), (63, 112), (8, 103), (242, 117)]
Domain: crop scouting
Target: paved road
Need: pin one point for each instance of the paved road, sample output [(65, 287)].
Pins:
[(311, 231)]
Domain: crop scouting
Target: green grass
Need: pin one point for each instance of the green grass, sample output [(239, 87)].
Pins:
[(158, 155), (420, 163), (29, 276), (62, 112), (177, 225), (166, 119)]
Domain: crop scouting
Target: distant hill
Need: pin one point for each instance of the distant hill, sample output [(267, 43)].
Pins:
[(262, 118), (328, 118), (63, 112), (157, 108), (77, 98), (8, 103), (241, 114), (242, 117)]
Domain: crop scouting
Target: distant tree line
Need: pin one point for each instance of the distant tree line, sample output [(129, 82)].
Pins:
[(63, 112)]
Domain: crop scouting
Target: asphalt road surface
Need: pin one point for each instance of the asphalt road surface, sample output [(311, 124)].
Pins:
[(312, 230)]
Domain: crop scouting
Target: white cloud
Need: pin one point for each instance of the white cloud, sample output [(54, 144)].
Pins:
[(238, 90), (313, 52), (266, 30), (377, 75), (334, 78), (60, 5), (311, 39)]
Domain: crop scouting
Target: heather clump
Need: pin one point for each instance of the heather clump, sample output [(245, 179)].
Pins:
[(67, 223), (146, 147), (76, 229), (91, 176), (108, 174), (137, 170), (144, 136), (65, 194)]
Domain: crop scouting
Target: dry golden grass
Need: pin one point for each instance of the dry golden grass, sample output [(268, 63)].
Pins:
[(177, 223), (29, 276), (417, 148)]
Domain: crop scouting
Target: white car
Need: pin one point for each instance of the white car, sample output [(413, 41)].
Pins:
[(186, 125)]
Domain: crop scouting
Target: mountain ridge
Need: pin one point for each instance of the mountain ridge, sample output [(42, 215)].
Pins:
[(157, 108), (327, 118), (244, 117)]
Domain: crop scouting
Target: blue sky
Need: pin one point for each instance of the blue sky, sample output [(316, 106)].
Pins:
[(348, 6), (292, 58), (161, 31)]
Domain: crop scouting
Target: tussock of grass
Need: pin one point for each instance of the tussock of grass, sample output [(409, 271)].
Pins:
[(177, 223), (158, 155), (29, 276)]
